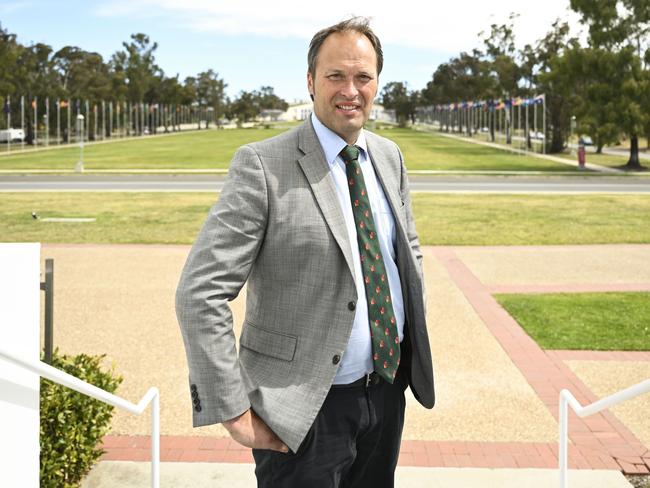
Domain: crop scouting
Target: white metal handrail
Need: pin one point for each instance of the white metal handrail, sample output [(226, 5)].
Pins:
[(152, 396), (566, 398)]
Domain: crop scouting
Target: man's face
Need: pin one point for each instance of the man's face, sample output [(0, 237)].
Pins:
[(344, 83)]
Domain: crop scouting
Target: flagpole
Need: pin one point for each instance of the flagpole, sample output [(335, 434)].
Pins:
[(535, 117), (69, 135), (22, 121), (58, 122), (103, 120), (8, 115), (9, 122), (35, 141), (544, 121), (527, 128), (47, 121)]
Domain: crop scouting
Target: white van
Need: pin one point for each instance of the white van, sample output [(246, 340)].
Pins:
[(12, 135)]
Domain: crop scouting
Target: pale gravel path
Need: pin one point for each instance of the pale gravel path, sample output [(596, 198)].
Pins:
[(559, 265), (605, 378), (119, 300)]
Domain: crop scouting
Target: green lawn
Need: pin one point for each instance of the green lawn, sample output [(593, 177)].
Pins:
[(212, 149), (206, 149), (589, 321), (441, 219), (532, 219), (428, 150)]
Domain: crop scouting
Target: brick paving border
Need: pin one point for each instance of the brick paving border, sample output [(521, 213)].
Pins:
[(599, 441), (593, 438)]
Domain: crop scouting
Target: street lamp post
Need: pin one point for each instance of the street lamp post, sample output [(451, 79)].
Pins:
[(79, 167)]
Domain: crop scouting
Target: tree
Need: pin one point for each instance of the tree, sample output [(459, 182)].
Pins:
[(552, 75), (268, 100), (136, 68), (396, 96), (620, 28), (244, 108), (248, 105), (82, 74), (9, 53), (210, 92), (34, 74), (502, 66)]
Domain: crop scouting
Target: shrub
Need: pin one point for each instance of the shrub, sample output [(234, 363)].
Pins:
[(73, 424)]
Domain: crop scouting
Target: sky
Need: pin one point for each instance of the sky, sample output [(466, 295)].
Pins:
[(254, 43)]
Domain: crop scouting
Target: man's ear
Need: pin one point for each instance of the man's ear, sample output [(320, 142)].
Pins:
[(310, 85)]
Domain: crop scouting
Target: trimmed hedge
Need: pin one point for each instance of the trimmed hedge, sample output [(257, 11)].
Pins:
[(73, 424)]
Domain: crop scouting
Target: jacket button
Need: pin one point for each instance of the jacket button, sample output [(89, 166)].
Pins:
[(196, 401), (195, 393), (197, 408), (336, 359), (193, 387), (352, 305)]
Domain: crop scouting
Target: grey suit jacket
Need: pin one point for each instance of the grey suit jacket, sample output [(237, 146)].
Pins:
[(278, 226)]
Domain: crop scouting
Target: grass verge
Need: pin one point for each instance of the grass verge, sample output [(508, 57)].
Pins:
[(175, 218), (213, 149), (584, 321)]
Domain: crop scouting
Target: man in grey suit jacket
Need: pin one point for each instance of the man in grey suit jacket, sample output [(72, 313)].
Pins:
[(305, 390)]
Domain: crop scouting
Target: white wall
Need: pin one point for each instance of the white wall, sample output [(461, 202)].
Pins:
[(19, 390)]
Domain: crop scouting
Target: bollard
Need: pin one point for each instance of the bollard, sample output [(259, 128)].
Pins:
[(582, 156)]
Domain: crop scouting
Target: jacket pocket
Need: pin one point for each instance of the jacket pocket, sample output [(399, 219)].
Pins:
[(269, 343)]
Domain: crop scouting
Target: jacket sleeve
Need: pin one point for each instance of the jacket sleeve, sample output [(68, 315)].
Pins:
[(217, 267)]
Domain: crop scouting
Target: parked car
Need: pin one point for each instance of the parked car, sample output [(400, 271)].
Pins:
[(585, 141), (12, 135)]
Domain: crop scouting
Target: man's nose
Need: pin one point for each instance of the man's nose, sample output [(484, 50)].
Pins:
[(349, 89)]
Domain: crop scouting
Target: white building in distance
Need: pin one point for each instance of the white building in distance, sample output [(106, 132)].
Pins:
[(302, 110)]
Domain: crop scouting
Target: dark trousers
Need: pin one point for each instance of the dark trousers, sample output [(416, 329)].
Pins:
[(353, 443)]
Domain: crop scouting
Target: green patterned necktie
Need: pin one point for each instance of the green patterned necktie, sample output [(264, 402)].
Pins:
[(383, 327)]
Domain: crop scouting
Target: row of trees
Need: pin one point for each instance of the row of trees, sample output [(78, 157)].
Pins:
[(604, 83), (130, 75)]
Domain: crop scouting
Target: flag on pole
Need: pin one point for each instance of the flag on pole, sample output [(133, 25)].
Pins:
[(63, 104), (7, 107)]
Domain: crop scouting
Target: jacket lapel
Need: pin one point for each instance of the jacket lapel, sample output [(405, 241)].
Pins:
[(318, 175)]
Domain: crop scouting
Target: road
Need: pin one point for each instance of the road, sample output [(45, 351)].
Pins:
[(430, 184)]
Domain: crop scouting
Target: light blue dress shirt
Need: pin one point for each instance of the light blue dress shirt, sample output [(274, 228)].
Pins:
[(357, 358)]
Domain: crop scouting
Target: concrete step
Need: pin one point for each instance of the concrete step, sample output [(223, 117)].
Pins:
[(128, 474)]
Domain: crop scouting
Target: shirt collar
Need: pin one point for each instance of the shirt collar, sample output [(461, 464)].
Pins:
[(332, 143)]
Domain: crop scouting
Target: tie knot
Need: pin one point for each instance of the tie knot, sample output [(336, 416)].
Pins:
[(350, 153)]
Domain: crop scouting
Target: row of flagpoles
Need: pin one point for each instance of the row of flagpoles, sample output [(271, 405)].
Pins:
[(496, 117), (498, 104), (97, 121)]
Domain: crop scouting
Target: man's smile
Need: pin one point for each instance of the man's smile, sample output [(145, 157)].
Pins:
[(350, 108)]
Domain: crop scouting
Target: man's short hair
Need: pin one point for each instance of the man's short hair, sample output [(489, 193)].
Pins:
[(354, 24)]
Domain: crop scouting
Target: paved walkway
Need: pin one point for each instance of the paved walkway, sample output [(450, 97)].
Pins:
[(120, 474), (497, 390)]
